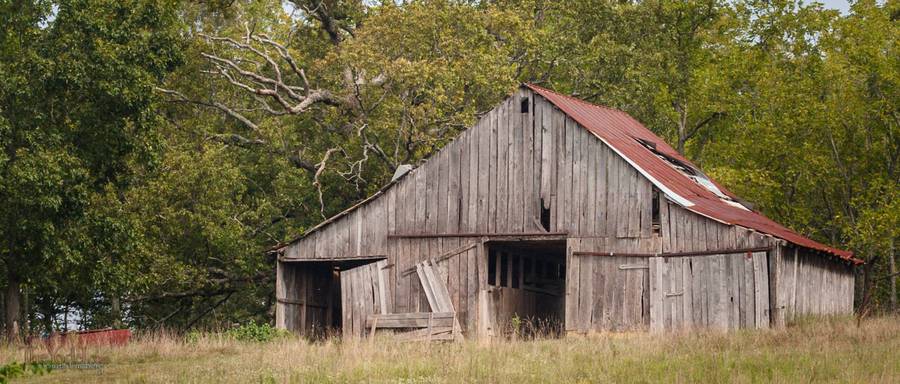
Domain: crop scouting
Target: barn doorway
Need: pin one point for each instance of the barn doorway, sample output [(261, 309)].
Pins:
[(312, 294), (526, 283)]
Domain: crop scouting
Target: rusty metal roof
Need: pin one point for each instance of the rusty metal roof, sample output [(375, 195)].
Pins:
[(625, 135)]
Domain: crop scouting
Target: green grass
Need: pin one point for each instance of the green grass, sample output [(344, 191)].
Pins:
[(815, 350)]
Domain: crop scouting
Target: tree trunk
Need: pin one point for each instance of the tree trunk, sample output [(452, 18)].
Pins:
[(893, 264), (116, 308), (13, 307), (682, 130)]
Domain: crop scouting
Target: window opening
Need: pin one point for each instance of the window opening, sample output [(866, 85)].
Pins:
[(545, 216), (654, 219)]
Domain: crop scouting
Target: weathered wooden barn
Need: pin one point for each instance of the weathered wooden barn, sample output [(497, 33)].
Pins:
[(555, 210)]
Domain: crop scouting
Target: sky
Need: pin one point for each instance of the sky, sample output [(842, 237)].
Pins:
[(841, 5)]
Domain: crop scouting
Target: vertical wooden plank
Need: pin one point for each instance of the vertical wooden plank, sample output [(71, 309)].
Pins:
[(493, 152), (664, 227), (559, 199), (731, 291), (535, 122), (443, 190), (665, 288), (579, 183), (585, 287), (476, 279), (610, 311), (757, 292), (517, 177), (623, 202), (457, 267), (420, 246), (646, 191), (636, 294), (529, 212), (722, 312), (596, 285), (346, 306), (585, 186), (589, 208), (558, 131), (548, 157), (572, 321), (430, 247), (573, 200), (693, 308), (776, 274), (612, 193), (359, 299), (600, 188), (465, 173), (401, 298), (687, 297), (618, 300), (748, 300), (474, 178), (280, 293), (503, 166), (633, 229), (657, 316)]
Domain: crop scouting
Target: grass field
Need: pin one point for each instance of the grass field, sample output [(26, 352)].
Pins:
[(815, 350)]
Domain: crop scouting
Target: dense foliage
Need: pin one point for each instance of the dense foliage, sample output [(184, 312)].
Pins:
[(155, 149)]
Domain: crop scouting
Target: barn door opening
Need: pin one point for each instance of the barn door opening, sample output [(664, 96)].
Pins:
[(308, 296), (320, 298), (526, 283)]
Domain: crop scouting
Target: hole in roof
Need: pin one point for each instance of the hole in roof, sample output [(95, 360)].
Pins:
[(690, 172)]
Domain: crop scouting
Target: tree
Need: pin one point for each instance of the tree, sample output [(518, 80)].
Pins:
[(75, 108)]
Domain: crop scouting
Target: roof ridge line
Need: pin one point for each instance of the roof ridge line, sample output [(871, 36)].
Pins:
[(575, 99)]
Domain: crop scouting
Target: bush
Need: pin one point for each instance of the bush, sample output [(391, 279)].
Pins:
[(260, 333), (192, 337), (14, 370)]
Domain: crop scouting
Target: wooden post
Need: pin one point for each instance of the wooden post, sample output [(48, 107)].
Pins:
[(430, 320), (372, 332)]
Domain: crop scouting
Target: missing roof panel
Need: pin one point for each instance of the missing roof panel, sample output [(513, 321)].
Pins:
[(690, 172)]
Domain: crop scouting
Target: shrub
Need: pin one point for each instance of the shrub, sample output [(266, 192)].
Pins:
[(260, 333), (192, 337), (14, 370)]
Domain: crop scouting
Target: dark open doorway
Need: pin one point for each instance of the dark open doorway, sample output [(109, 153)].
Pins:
[(526, 283), (312, 295)]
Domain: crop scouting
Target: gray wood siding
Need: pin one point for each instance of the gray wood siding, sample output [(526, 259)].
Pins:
[(492, 180), (811, 284), (497, 176)]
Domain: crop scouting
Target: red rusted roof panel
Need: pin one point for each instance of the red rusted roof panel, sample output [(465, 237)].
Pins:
[(620, 131)]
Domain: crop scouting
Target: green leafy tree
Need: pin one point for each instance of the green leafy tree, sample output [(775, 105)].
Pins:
[(76, 115)]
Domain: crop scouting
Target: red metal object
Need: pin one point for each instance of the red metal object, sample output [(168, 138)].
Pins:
[(102, 336), (621, 132), (107, 336)]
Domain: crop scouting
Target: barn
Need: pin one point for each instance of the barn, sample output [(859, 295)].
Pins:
[(558, 212)]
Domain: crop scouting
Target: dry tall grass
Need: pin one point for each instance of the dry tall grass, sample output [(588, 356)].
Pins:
[(815, 350)]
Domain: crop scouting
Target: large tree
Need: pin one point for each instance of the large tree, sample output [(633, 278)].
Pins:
[(76, 117)]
